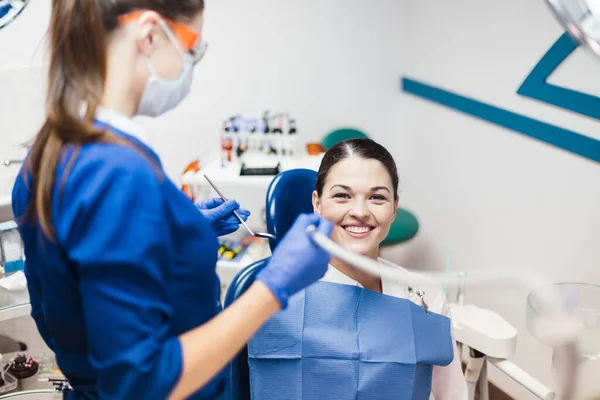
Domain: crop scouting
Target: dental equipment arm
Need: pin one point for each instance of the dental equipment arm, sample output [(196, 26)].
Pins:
[(581, 19), (560, 329), (523, 378)]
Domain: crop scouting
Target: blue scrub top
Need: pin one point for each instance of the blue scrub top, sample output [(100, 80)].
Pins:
[(133, 267)]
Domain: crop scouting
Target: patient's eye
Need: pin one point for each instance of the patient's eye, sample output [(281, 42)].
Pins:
[(378, 197), (341, 196)]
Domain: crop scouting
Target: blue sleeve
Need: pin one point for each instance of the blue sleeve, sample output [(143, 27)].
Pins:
[(118, 237)]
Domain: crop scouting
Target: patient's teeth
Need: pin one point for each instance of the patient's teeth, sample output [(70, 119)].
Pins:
[(358, 229)]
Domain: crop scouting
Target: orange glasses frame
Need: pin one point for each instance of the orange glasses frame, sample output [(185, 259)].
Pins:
[(187, 37)]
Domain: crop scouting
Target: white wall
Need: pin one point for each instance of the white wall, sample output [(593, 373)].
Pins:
[(21, 84), (329, 64), (495, 197)]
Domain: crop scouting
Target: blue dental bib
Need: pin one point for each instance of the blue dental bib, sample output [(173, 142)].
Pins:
[(343, 342)]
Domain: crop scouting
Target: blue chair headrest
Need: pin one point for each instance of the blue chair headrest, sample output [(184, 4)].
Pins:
[(289, 195)]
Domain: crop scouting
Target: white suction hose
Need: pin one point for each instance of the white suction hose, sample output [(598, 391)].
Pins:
[(559, 328)]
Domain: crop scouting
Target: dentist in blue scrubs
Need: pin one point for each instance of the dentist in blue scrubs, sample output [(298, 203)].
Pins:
[(120, 264)]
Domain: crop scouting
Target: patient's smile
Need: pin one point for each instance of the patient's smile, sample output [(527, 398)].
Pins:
[(358, 231)]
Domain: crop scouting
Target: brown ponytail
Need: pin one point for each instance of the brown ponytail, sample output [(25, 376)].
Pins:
[(75, 77), (77, 71)]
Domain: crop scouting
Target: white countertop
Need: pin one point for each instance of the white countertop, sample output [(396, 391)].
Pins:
[(230, 173)]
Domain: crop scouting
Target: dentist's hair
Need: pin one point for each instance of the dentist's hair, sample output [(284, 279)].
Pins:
[(78, 39), (363, 148)]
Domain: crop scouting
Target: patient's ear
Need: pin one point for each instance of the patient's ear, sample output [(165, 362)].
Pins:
[(316, 202), (395, 208)]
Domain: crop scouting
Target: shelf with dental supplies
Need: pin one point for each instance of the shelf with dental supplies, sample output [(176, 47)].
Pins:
[(271, 135), (252, 152)]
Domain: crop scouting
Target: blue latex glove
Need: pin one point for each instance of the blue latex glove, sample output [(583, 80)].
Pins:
[(220, 215), (297, 262)]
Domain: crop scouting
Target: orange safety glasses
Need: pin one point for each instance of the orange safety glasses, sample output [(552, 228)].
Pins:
[(188, 38)]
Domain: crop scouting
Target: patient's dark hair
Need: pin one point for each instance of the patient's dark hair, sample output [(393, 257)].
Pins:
[(363, 148)]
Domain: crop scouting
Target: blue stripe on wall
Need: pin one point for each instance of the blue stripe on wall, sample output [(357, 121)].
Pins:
[(536, 86), (563, 138)]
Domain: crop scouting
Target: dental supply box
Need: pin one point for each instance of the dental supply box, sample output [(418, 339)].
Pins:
[(11, 247)]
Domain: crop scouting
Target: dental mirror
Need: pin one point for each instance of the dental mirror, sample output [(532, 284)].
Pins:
[(10, 10), (581, 19), (256, 234)]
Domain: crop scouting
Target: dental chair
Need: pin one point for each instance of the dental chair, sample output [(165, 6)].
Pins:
[(238, 385), (339, 135), (288, 195)]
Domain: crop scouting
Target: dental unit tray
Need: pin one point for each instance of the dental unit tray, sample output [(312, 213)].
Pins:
[(258, 171)]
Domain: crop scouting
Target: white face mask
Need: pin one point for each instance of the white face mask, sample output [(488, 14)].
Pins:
[(161, 95)]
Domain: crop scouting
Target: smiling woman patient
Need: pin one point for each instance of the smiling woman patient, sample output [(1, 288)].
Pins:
[(353, 335), (357, 189)]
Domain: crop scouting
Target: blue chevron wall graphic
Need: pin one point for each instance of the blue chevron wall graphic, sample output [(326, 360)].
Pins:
[(536, 87)]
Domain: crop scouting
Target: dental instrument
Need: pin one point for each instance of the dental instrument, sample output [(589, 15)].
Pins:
[(555, 325), (256, 234)]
